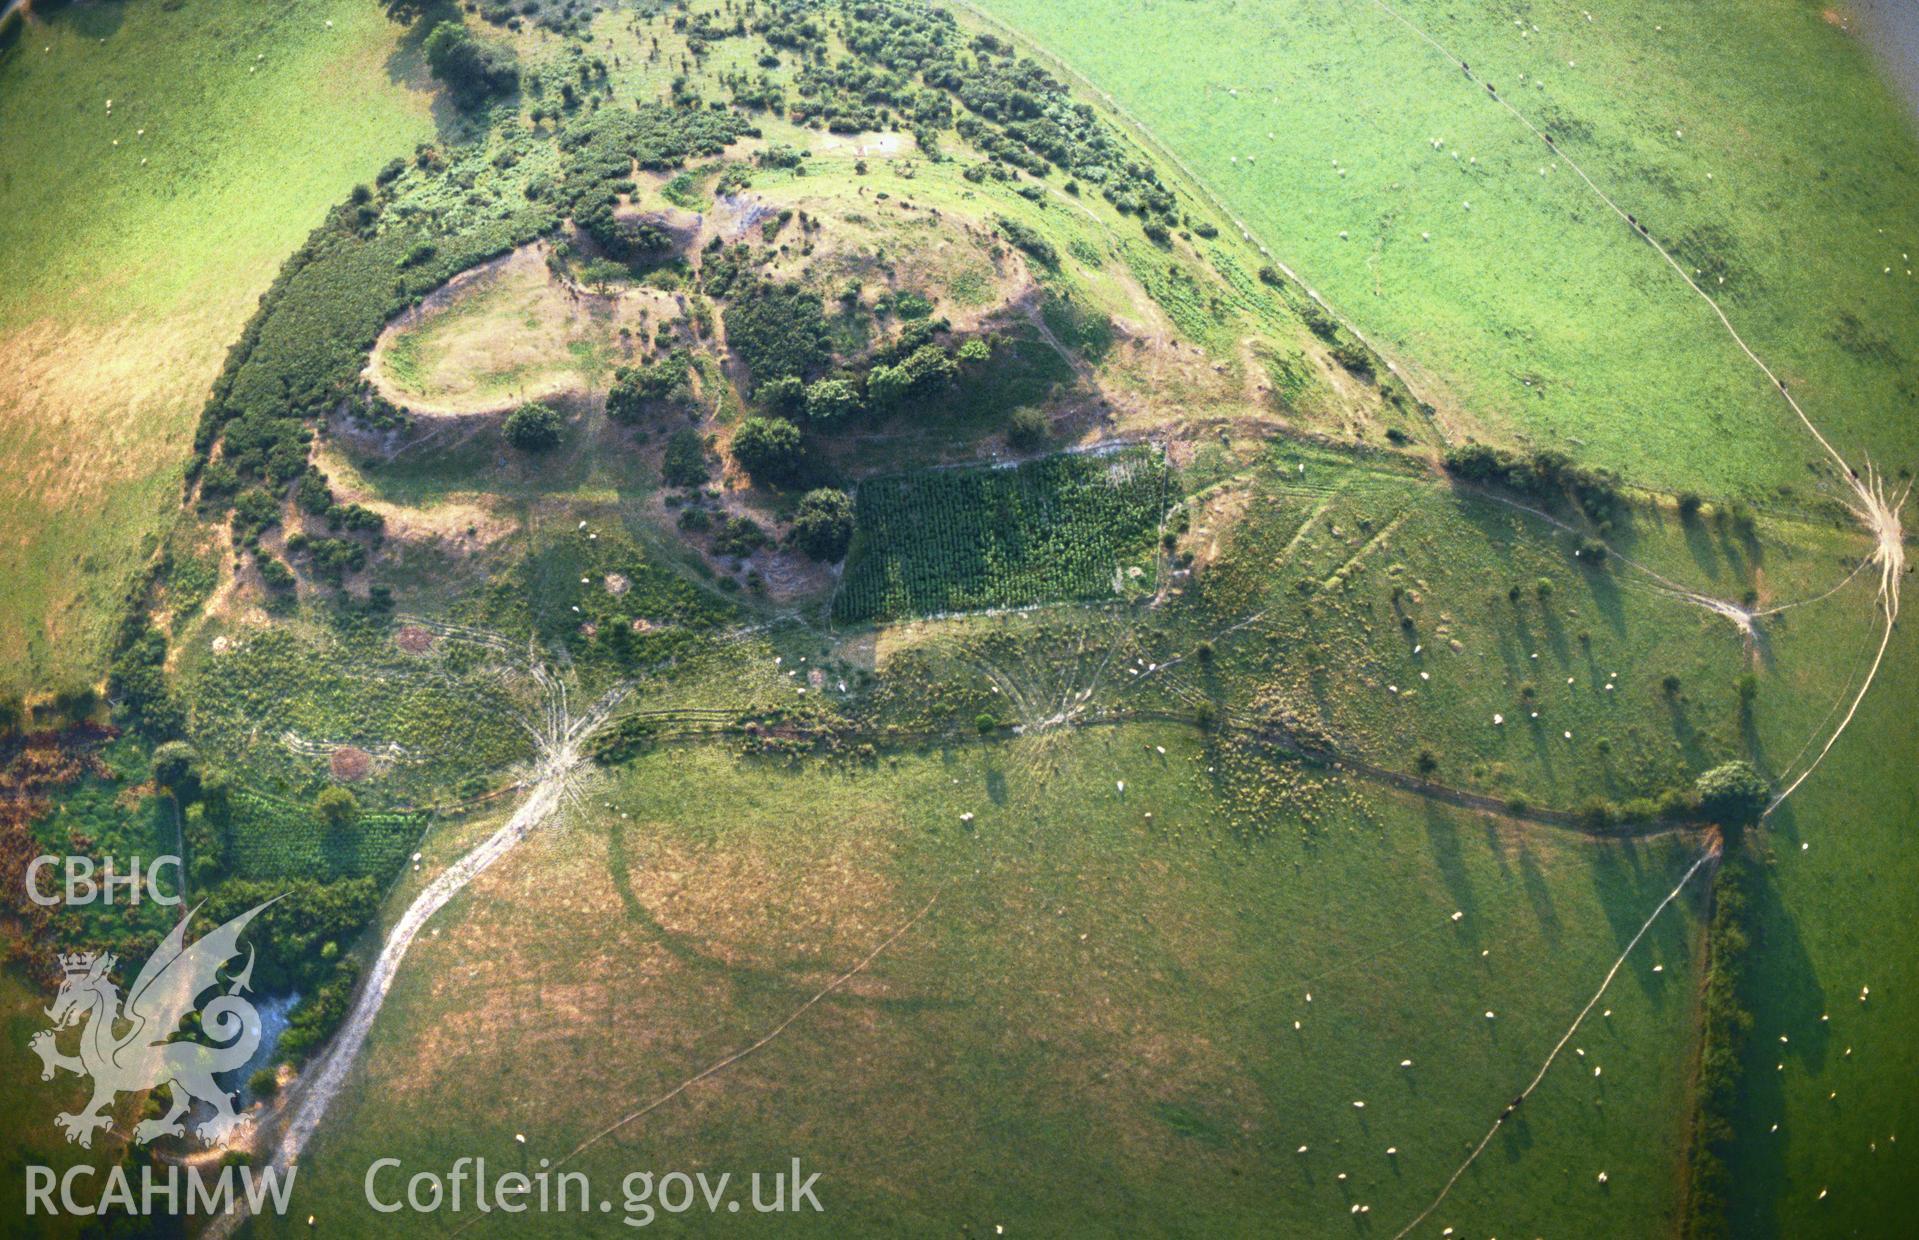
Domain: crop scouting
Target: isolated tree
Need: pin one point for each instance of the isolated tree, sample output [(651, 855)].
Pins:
[(1026, 429), (176, 767), (823, 525), (471, 69), (768, 449), (684, 464), (336, 807), (1733, 794), (533, 427)]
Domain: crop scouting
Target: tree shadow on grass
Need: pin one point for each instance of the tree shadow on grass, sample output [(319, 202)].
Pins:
[(89, 21), (1539, 892), (1442, 836), (1683, 730), (1705, 554), (406, 65), (1616, 867), (1783, 988), (1629, 890)]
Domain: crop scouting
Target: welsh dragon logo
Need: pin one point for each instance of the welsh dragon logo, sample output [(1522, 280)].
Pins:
[(131, 1049)]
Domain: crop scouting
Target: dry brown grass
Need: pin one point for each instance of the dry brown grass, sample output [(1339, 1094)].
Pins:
[(94, 422)]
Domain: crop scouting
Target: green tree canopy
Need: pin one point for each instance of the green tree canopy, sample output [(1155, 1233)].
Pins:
[(823, 526), (768, 449), (533, 427), (337, 808), (471, 69), (832, 400), (176, 767), (1733, 794), (684, 464)]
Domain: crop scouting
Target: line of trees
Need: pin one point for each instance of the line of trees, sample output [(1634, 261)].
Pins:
[(1542, 474), (1726, 1025)]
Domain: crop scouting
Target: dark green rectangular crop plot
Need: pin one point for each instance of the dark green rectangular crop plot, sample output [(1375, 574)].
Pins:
[(944, 540), (270, 838)]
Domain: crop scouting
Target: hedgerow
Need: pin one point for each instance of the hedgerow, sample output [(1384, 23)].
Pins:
[(1543, 474), (1726, 1023)]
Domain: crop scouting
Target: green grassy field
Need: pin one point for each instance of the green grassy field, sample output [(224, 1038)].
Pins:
[(1755, 142), (134, 243), (1092, 1028), (1836, 917)]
